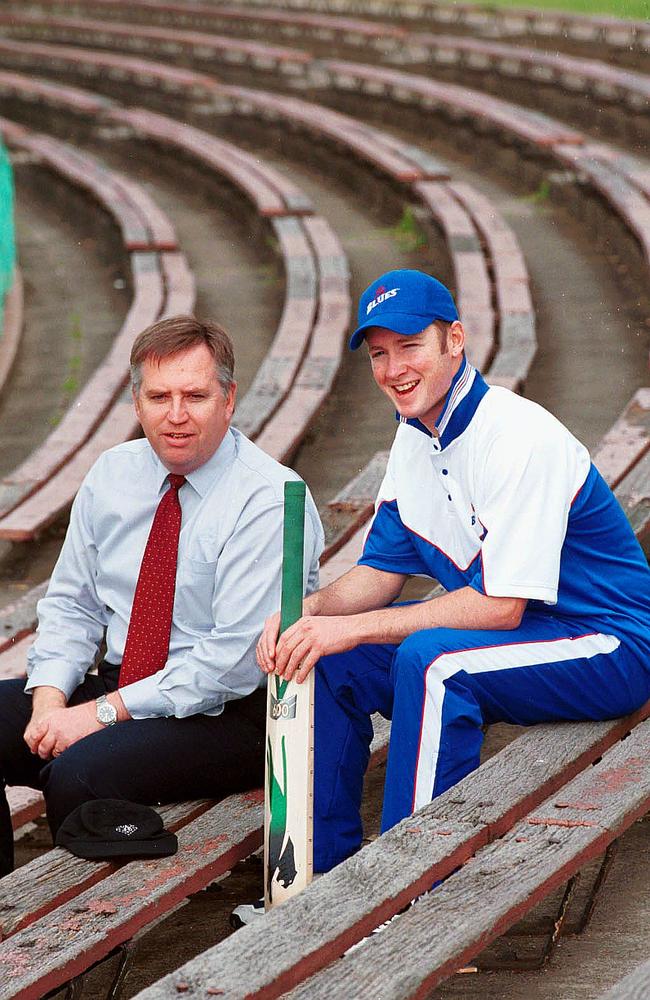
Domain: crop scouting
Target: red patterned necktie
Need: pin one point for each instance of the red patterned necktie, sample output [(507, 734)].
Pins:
[(147, 641)]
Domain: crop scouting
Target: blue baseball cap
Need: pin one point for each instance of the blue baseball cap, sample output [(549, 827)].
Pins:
[(405, 301)]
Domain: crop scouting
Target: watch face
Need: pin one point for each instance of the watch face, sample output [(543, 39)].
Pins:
[(106, 713)]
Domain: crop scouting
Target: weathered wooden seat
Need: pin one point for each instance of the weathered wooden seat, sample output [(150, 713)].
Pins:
[(636, 986), (80, 916), (316, 27), (534, 133), (25, 803), (597, 78), (151, 39), (307, 347), (150, 248), (419, 175), (501, 817), (309, 339), (555, 26)]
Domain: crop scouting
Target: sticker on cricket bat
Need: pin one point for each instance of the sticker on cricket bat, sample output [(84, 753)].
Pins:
[(288, 814)]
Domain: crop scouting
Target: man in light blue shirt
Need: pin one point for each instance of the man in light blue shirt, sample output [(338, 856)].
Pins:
[(194, 728)]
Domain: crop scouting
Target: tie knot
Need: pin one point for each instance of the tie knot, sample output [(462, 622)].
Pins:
[(176, 481)]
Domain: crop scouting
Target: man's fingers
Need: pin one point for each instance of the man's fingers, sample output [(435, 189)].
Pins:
[(34, 734), (46, 746), (288, 641), (266, 645), (266, 654), (306, 666), (298, 654)]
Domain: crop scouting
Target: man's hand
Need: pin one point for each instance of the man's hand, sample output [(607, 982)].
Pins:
[(52, 730), (299, 648), (45, 700), (267, 642), (55, 732)]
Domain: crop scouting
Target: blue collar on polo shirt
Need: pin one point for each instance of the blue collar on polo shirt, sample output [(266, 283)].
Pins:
[(465, 393)]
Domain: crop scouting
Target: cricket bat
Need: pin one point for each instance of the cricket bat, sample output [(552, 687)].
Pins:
[(289, 781)]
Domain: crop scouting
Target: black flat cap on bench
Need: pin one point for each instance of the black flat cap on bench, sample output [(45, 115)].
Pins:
[(115, 828)]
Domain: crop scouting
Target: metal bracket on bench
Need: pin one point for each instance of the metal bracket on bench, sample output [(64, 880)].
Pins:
[(591, 902), (531, 964), (538, 962), (125, 951)]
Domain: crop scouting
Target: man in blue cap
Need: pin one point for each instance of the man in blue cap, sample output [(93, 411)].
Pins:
[(547, 610)]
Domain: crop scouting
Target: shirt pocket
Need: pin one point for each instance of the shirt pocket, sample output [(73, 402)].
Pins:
[(195, 584)]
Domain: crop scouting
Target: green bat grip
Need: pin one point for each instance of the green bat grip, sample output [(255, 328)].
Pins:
[(292, 554)]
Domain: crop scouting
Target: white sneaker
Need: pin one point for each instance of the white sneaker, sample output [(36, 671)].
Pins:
[(247, 913), (377, 930), (386, 923)]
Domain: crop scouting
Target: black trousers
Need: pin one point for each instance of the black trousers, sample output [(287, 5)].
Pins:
[(150, 761)]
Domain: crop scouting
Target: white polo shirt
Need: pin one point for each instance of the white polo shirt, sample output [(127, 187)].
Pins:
[(505, 500)]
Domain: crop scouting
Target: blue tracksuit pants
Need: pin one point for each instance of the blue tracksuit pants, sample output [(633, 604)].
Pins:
[(439, 687)]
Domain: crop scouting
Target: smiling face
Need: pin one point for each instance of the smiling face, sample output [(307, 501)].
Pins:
[(414, 371), (182, 408)]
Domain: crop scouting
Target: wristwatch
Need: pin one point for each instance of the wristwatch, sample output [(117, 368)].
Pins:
[(106, 713)]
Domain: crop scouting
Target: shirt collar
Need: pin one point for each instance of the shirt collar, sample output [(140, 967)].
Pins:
[(465, 393), (203, 478)]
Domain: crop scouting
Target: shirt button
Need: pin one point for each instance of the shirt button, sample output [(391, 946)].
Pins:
[(445, 472)]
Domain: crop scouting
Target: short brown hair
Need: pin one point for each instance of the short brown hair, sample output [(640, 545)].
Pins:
[(442, 328), (180, 333)]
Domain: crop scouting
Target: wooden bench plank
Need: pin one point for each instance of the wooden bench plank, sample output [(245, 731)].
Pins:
[(53, 496), (517, 349), (270, 191), (613, 32), (49, 92), (47, 504), (626, 441), (180, 284), (471, 277), (313, 382), (498, 886), (25, 804), (530, 127), (633, 493), (636, 986), (370, 887), (591, 77), (96, 64), (56, 876), (278, 370), (352, 506), (516, 317), (19, 617), (14, 658), (82, 922), (206, 16), (325, 123), (85, 172), (608, 177), (156, 40), (145, 224), (547, 24)]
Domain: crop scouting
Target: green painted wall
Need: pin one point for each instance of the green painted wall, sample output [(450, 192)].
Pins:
[(7, 239)]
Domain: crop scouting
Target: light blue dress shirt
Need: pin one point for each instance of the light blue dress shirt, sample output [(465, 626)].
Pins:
[(228, 578)]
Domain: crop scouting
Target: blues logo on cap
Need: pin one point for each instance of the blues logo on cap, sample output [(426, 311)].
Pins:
[(404, 301)]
